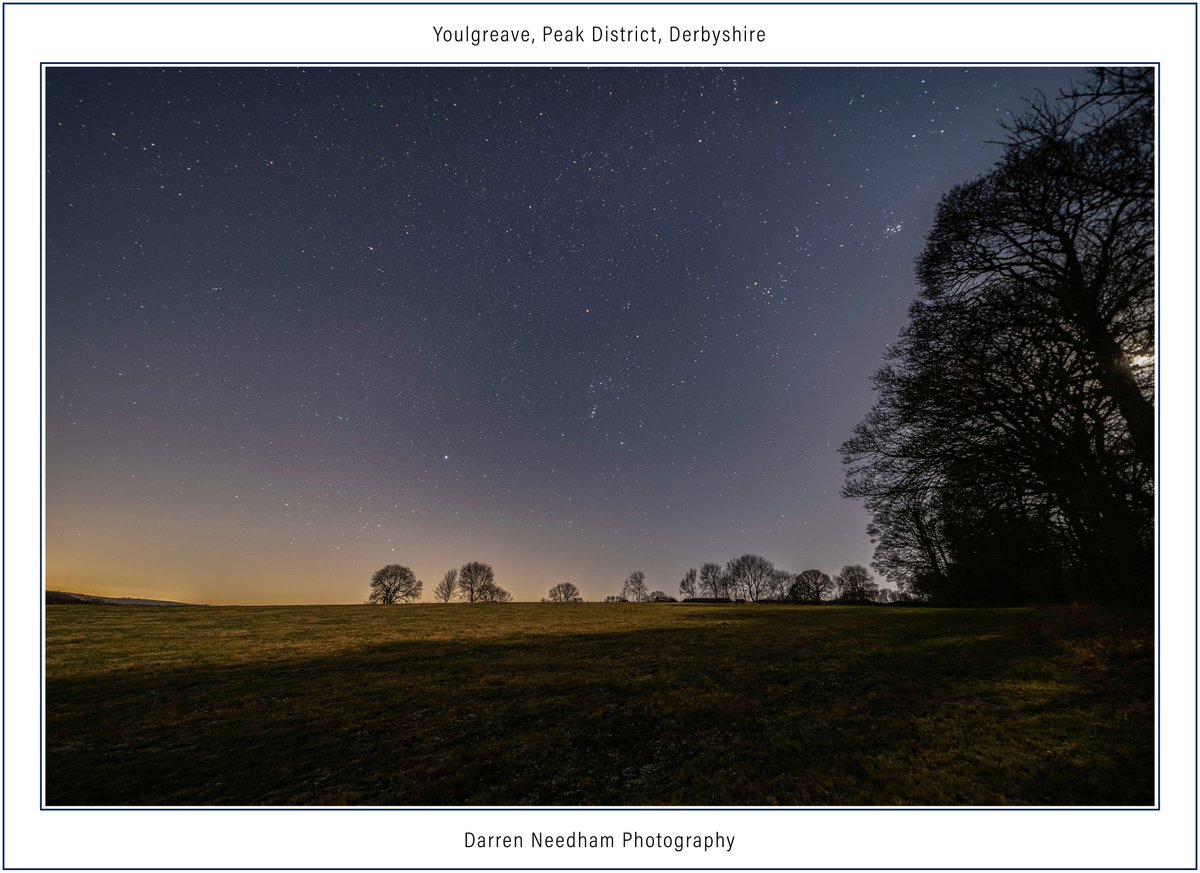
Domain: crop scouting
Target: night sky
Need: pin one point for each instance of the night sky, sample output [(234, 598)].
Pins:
[(571, 322)]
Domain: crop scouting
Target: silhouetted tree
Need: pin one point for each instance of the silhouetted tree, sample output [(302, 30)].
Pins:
[(1014, 426), (750, 577), (635, 587), (908, 529), (563, 592), (394, 583), (779, 584), (490, 592), (1066, 223), (811, 586), (687, 585), (475, 581), (712, 582), (661, 597), (444, 590), (855, 583), (614, 598)]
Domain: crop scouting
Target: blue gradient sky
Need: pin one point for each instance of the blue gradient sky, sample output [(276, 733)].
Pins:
[(301, 323)]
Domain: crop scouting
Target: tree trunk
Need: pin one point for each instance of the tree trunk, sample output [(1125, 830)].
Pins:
[(1112, 369), (1116, 377)]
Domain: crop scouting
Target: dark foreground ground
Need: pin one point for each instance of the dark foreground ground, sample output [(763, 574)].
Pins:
[(597, 704)]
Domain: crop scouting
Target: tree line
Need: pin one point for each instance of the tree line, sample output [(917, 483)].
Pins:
[(754, 579), (748, 578), (1010, 454), (474, 582)]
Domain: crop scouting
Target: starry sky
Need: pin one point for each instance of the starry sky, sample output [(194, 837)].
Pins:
[(302, 323)]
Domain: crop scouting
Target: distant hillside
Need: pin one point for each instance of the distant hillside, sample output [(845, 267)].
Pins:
[(91, 599)]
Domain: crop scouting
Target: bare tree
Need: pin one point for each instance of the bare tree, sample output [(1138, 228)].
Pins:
[(1015, 421), (811, 586), (635, 587), (563, 592), (394, 583), (779, 584), (749, 577), (490, 592), (855, 583), (687, 585), (661, 597), (1066, 221), (445, 589), (712, 581), (473, 580)]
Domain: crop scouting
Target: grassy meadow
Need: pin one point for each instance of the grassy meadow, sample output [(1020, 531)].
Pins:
[(597, 704)]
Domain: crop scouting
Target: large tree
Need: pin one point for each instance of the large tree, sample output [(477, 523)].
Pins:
[(634, 588), (1065, 223), (563, 592), (810, 586), (750, 577), (855, 583), (1010, 453), (475, 580), (394, 583)]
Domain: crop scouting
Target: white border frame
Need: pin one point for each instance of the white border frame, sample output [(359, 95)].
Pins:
[(867, 34)]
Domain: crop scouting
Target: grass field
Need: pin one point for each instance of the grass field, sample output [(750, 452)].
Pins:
[(597, 704)]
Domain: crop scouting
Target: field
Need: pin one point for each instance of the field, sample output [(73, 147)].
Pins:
[(597, 704)]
